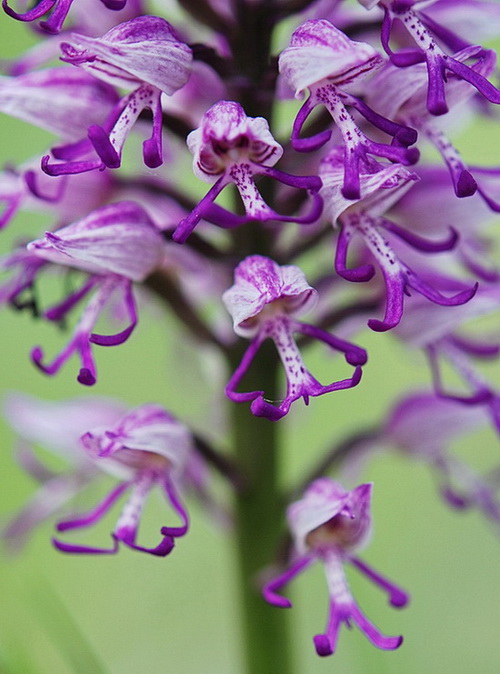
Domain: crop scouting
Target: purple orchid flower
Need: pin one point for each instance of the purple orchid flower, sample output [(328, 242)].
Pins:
[(328, 524), (424, 425), (263, 302), (324, 60), (58, 427), (145, 448), (59, 100), (230, 147), (441, 335), (439, 65), (401, 94), (144, 55), (366, 218), (116, 245)]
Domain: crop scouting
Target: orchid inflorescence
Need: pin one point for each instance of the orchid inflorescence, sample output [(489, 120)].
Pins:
[(311, 229)]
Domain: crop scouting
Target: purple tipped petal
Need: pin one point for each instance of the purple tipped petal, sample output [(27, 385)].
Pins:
[(120, 337), (164, 547), (176, 503), (377, 638), (323, 644), (84, 549), (270, 590), (397, 597), (97, 513)]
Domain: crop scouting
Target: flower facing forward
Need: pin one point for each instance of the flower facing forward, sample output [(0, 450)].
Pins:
[(263, 302), (115, 245), (230, 147), (147, 447), (328, 524)]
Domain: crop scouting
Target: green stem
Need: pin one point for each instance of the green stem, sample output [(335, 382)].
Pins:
[(259, 526)]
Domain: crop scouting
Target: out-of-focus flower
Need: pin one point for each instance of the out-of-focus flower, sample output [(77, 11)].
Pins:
[(424, 425), (325, 61), (230, 147), (366, 218), (264, 302), (445, 338), (145, 56), (147, 447), (28, 188), (329, 524), (116, 245), (57, 426)]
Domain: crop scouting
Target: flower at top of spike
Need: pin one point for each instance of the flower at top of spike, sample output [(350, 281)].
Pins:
[(115, 245), (329, 524), (365, 217), (263, 302), (324, 60), (143, 55), (230, 147)]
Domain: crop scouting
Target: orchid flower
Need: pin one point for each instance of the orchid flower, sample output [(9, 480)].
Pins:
[(324, 60), (57, 426), (143, 55), (438, 64), (366, 219), (328, 524), (424, 425), (263, 302), (401, 94), (144, 448), (116, 245), (230, 147)]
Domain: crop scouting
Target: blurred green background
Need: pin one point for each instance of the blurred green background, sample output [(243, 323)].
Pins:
[(132, 613)]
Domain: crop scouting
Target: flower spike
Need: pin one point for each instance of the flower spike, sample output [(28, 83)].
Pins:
[(328, 524), (263, 303)]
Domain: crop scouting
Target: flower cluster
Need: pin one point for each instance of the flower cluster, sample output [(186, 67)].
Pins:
[(314, 226)]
